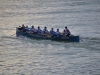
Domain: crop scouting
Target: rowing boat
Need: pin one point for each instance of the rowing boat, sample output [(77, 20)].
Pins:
[(70, 38)]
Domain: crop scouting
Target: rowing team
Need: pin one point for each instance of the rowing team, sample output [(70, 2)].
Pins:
[(45, 31)]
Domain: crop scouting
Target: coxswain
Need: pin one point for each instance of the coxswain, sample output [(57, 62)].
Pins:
[(67, 31)]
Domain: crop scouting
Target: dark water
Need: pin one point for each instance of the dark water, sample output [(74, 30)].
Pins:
[(24, 56)]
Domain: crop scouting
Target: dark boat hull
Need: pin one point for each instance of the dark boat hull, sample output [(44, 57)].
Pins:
[(55, 38)]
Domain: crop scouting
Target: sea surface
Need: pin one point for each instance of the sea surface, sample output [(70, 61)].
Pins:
[(25, 56)]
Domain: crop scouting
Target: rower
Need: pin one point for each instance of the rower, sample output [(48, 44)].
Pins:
[(39, 31), (52, 32), (32, 29), (27, 29), (58, 33), (64, 33), (23, 27), (45, 31)]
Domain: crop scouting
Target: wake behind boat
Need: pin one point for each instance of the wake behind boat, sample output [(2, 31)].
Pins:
[(35, 35)]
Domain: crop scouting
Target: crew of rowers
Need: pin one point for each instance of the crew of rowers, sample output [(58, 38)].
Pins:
[(45, 31)]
